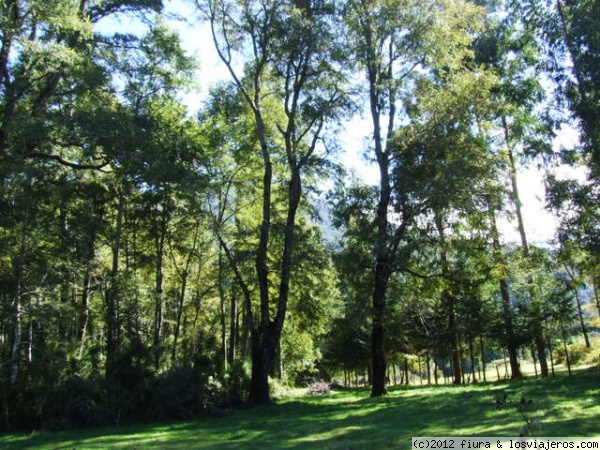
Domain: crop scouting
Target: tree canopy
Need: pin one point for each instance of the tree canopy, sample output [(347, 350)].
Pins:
[(158, 262)]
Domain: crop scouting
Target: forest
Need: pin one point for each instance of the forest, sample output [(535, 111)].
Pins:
[(159, 261)]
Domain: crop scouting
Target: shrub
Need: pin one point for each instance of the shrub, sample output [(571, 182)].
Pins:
[(71, 403), (76, 403), (577, 353), (131, 394), (179, 393), (236, 384)]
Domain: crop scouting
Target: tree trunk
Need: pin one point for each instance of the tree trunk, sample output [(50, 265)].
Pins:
[(234, 325), (516, 198), (454, 342), (551, 351), (581, 321), (448, 302), (263, 352), (113, 293), (378, 387), (535, 369), (15, 350), (596, 293), (540, 347), (248, 314), (84, 309), (511, 344), (472, 356), (483, 366), (223, 313), (566, 348), (161, 235), (181, 302), (265, 339), (383, 250)]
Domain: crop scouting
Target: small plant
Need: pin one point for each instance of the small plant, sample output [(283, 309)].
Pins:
[(532, 425)]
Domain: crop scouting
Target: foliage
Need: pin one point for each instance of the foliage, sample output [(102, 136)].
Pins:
[(578, 353), (156, 264)]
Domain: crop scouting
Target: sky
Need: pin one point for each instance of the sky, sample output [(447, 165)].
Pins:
[(540, 224)]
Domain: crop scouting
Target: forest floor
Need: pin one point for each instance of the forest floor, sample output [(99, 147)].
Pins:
[(349, 419)]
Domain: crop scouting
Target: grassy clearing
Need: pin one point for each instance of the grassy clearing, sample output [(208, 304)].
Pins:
[(566, 406)]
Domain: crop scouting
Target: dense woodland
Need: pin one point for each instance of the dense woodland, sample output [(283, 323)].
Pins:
[(158, 262)]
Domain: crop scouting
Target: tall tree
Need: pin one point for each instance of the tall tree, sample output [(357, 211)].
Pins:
[(290, 51), (54, 101), (391, 42)]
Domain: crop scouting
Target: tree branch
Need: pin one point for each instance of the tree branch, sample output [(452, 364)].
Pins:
[(66, 163)]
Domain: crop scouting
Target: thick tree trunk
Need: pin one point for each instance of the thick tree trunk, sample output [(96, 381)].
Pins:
[(266, 338), (378, 387), (382, 272), (263, 353)]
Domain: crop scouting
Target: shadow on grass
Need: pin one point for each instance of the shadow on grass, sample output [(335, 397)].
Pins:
[(348, 420)]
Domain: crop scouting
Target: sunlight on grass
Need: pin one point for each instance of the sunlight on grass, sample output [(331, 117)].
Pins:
[(566, 406)]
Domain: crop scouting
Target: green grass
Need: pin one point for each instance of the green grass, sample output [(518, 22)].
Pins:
[(566, 406)]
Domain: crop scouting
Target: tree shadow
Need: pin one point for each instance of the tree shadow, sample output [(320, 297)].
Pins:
[(350, 420)]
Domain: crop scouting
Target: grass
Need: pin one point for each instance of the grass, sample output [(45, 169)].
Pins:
[(566, 406)]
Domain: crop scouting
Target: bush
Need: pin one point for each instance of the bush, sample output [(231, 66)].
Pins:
[(179, 393), (131, 394), (236, 384), (577, 353), (76, 403), (72, 403)]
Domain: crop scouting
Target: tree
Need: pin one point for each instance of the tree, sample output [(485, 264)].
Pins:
[(291, 49), (510, 49), (392, 43), (572, 49), (54, 100)]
